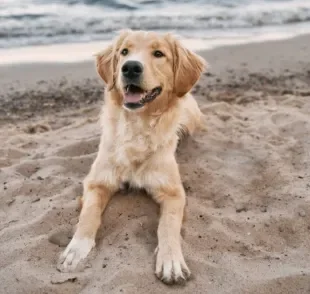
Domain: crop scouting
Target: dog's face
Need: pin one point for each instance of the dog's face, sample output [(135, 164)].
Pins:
[(145, 66)]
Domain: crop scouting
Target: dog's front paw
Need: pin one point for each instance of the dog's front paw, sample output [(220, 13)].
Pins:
[(170, 266), (76, 251)]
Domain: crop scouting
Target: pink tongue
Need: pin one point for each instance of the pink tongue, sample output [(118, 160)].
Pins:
[(134, 98)]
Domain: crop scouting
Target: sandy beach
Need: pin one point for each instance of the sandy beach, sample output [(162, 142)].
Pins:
[(246, 178)]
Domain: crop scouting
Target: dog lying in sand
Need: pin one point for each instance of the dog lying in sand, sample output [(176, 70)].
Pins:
[(147, 107)]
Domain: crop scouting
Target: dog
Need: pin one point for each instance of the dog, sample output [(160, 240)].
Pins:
[(147, 107)]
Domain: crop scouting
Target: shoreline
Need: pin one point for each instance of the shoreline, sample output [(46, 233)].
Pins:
[(84, 51)]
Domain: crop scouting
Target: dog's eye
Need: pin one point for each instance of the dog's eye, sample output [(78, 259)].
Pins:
[(158, 54), (124, 52)]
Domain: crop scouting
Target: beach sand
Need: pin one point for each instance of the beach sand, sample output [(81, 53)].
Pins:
[(246, 178)]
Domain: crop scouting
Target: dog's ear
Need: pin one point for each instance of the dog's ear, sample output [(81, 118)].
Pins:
[(187, 67), (106, 60)]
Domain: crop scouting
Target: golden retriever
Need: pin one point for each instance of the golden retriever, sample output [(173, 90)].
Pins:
[(147, 105)]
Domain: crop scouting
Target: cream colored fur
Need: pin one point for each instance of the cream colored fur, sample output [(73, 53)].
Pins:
[(138, 147)]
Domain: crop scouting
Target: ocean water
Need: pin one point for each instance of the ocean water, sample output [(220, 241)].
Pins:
[(37, 22)]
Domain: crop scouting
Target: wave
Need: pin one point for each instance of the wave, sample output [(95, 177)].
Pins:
[(81, 20)]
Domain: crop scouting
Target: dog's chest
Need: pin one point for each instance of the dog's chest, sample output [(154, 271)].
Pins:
[(133, 142)]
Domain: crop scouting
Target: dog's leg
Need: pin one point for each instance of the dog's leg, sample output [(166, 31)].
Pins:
[(170, 263), (95, 199)]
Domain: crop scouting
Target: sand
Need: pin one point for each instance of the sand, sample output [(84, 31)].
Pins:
[(247, 180)]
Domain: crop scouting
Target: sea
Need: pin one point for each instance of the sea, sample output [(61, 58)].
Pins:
[(42, 22)]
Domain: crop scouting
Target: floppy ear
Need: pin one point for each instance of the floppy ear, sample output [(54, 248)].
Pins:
[(187, 66), (106, 60)]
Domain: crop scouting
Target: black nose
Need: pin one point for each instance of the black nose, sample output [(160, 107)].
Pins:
[(132, 69)]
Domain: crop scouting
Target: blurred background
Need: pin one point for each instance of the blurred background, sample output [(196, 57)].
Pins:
[(37, 22)]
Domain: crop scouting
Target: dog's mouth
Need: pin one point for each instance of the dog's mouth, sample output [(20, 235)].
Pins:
[(136, 97)]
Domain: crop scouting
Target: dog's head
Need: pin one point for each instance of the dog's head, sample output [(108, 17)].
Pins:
[(145, 66)]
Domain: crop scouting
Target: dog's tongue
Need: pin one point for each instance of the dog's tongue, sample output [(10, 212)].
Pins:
[(133, 97)]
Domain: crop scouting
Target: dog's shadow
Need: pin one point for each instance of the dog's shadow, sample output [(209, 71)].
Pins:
[(130, 216)]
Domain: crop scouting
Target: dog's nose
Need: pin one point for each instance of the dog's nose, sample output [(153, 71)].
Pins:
[(132, 69)]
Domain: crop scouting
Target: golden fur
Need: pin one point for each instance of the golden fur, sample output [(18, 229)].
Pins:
[(139, 146)]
